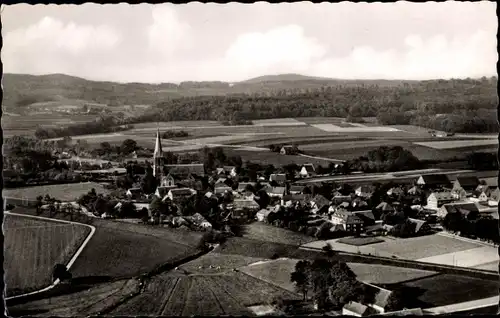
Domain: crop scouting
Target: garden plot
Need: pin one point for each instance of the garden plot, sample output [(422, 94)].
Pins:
[(468, 258), (336, 128), (452, 144)]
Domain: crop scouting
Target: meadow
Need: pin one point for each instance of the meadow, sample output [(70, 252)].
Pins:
[(473, 257), (265, 232), (32, 248), (63, 192)]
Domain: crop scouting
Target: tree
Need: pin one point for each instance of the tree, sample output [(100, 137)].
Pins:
[(128, 146), (61, 272), (148, 182), (157, 207), (301, 277), (396, 301), (453, 222)]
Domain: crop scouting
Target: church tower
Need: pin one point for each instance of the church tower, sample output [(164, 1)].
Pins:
[(158, 157)]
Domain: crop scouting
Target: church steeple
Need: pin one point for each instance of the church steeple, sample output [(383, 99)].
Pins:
[(158, 156)]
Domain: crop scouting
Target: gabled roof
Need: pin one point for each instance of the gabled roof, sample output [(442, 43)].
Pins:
[(135, 190), (495, 194), (442, 196), (297, 188), (356, 307), (461, 207), (242, 203), (418, 223), (181, 191), (275, 190), (364, 189), (278, 177), (295, 197), (185, 169), (381, 295), (469, 181), (384, 206), (309, 167), (347, 217), (320, 201), (367, 214), (163, 191), (243, 185), (222, 189), (435, 179)]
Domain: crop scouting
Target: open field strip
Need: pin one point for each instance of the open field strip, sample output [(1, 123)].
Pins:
[(464, 306), (265, 232), (468, 258), (492, 266), (63, 192), (226, 262), (415, 248), (334, 128), (31, 254), (458, 143)]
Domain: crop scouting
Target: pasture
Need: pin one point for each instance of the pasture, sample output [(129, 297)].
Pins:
[(226, 262), (32, 248), (63, 192), (265, 232), (85, 302)]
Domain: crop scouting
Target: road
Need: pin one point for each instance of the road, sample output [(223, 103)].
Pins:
[(72, 260)]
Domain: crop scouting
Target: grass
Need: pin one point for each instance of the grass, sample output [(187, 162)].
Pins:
[(265, 232), (452, 144), (360, 241), (268, 157), (63, 192), (468, 258), (89, 301), (226, 262), (443, 290), (32, 247)]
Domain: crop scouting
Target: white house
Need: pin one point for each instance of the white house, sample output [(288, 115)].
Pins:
[(180, 193), (363, 191), (438, 199), (307, 170), (355, 309)]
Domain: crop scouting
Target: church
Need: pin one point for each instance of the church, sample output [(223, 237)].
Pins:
[(169, 175)]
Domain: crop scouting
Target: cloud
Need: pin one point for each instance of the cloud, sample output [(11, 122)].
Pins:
[(168, 33), (282, 49), (422, 58)]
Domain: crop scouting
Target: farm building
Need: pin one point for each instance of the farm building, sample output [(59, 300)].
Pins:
[(289, 150), (134, 193), (468, 209), (245, 204), (356, 309), (296, 189), (381, 298), (438, 199), (348, 220), (468, 184), (279, 178), (319, 204), (307, 170), (364, 191), (366, 216), (433, 181), (480, 196), (178, 194), (275, 192)]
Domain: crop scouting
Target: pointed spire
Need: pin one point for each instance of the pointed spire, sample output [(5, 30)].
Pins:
[(158, 151)]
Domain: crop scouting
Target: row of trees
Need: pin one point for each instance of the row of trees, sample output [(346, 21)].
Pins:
[(472, 226), (385, 159)]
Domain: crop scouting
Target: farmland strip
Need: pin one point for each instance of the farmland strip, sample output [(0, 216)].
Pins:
[(170, 292), (176, 307)]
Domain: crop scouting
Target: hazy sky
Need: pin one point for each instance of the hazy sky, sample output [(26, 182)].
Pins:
[(232, 42)]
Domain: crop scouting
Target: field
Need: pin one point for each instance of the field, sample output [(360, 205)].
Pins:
[(180, 295), (446, 289), (63, 192), (360, 241), (272, 158), (277, 272), (86, 302), (469, 258), (411, 248), (32, 247), (265, 232), (458, 143), (226, 262)]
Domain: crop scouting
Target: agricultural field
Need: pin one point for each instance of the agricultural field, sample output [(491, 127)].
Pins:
[(353, 128), (411, 248), (130, 252), (277, 272), (32, 248), (265, 232), (272, 158), (474, 257), (63, 192), (180, 295), (461, 144), (86, 302), (278, 122), (226, 262), (447, 289)]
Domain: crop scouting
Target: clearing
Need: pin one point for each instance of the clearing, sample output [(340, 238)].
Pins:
[(32, 248)]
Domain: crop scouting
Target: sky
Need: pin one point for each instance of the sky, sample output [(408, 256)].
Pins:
[(234, 42)]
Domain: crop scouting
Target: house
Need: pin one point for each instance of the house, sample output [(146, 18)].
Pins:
[(251, 205), (385, 207), (467, 209), (433, 181), (382, 296), (280, 178), (178, 194), (319, 204), (422, 227), (356, 309), (414, 190), (367, 217), (289, 150), (184, 170), (359, 203), (480, 196), (438, 199), (263, 214), (348, 220), (395, 192), (275, 192), (494, 197), (363, 191), (339, 198), (297, 189), (221, 181), (307, 170), (134, 193), (228, 171), (468, 184), (161, 192), (200, 221), (292, 199)]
